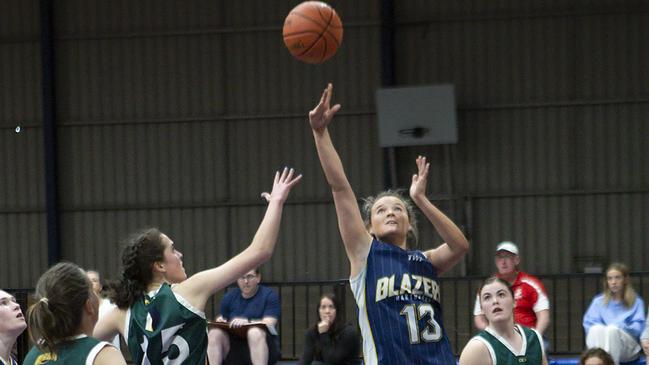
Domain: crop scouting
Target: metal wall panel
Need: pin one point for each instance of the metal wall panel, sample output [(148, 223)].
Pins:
[(95, 239), (18, 21), (176, 164), (22, 236), (308, 248), (552, 103), (22, 177), (504, 60), (19, 63), (183, 107), (612, 55), (96, 18), (613, 146), (140, 79), (20, 89), (541, 226)]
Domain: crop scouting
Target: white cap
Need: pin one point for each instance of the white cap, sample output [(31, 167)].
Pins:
[(507, 246)]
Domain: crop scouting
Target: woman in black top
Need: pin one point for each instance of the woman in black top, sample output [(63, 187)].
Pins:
[(330, 341)]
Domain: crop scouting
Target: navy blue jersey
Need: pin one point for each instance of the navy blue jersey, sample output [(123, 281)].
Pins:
[(398, 308)]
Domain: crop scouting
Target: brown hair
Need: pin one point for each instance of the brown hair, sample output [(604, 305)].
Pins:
[(598, 353), (61, 293), (494, 279), (629, 295), (368, 203), (143, 249), (336, 327)]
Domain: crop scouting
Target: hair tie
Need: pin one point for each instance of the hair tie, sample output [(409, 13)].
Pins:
[(44, 300)]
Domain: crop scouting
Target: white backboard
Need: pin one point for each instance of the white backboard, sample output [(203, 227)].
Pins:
[(422, 115)]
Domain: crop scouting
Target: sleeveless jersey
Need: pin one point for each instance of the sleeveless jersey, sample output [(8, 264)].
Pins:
[(162, 327), (12, 361), (399, 312), (503, 354), (80, 351)]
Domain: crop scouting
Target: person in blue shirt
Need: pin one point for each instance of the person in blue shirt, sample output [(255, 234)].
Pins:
[(644, 338), (615, 318), (248, 303)]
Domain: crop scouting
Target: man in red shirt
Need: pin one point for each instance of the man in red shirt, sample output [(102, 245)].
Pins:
[(532, 305)]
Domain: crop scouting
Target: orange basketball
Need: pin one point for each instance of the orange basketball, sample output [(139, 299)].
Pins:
[(313, 32)]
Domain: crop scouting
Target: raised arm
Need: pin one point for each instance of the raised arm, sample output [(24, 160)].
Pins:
[(198, 288), (456, 246), (350, 223)]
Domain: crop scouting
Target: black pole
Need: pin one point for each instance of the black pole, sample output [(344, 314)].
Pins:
[(387, 79), (49, 134)]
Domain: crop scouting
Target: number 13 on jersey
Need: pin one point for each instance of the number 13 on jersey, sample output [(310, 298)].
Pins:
[(432, 331)]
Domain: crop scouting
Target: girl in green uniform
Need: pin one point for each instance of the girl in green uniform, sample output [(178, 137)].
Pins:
[(12, 324), (166, 324), (502, 342), (62, 319)]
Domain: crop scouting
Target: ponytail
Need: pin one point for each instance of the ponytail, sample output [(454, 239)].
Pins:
[(61, 293), (142, 250)]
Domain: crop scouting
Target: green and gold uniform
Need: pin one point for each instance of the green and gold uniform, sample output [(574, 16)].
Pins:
[(81, 350), (162, 327), (502, 352)]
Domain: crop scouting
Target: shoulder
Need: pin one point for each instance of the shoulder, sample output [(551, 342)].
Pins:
[(598, 299), (638, 301), (311, 333), (476, 352), (268, 291), (32, 355), (108, 354), (525, 278), (348, 330), (231, 294)]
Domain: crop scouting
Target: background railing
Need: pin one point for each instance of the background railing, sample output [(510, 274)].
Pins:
[(570, 295)]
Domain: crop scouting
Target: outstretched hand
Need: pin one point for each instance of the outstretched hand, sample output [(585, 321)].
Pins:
[(282, 185), (420, 179), (322, 114)]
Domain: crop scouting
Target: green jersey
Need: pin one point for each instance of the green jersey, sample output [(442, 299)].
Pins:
[(162, 327), (81, 350), (502, 353)]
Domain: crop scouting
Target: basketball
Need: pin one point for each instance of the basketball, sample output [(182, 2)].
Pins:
[(313, 32)]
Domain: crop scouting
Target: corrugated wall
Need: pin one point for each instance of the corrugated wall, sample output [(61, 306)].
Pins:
[(176, 114), (553, 106), (22, 193)]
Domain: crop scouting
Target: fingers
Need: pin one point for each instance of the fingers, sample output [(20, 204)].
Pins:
[(266, 195), (330, 113), (422, 166), (328, 92)]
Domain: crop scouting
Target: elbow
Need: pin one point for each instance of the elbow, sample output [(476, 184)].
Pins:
[(462, 246), (264, 254)]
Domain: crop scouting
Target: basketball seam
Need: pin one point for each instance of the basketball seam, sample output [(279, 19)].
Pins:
[(307, 18), (300, 33), (331, 17), (319, 35)]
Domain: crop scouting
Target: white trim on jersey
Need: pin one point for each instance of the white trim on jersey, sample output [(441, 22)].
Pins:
[(357, 285), (188, 305), (127, 321), (95, 351), (489, 348), (540, 337), (507, 344)]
